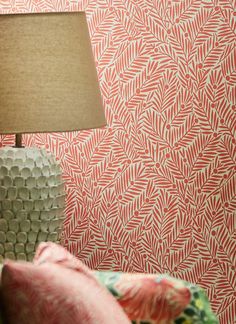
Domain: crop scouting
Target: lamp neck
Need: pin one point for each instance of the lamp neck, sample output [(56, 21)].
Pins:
[(18, 140)]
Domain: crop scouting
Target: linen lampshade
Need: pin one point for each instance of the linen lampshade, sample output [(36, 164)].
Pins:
[(48, 83), (48, 75)]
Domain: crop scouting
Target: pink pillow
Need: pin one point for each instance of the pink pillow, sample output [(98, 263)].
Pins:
[(53, 294)]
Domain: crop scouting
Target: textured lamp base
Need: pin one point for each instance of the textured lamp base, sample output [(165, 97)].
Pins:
[(32, 200)]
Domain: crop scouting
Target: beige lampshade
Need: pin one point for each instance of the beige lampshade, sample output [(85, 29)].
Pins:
[(48, 79)]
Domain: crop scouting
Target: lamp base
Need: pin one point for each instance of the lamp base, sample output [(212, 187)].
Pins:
[(32, 200)]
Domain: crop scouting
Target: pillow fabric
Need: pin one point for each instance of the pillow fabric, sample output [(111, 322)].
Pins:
[(156, 299), (50, 293)]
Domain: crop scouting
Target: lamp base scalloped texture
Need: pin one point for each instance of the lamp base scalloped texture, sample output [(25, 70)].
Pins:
[(32, 200)]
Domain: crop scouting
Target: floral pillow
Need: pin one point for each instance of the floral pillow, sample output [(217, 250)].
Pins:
[(158, 299)]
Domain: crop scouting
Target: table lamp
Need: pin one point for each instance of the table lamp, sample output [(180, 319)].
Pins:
[(48, 83)]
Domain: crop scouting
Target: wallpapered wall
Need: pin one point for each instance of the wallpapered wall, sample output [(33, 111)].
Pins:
[(155, 191)]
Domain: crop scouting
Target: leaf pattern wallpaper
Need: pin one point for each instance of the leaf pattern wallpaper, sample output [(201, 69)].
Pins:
[(155, 190)]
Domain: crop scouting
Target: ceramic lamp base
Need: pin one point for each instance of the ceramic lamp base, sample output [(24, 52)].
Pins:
[(32, 200)]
